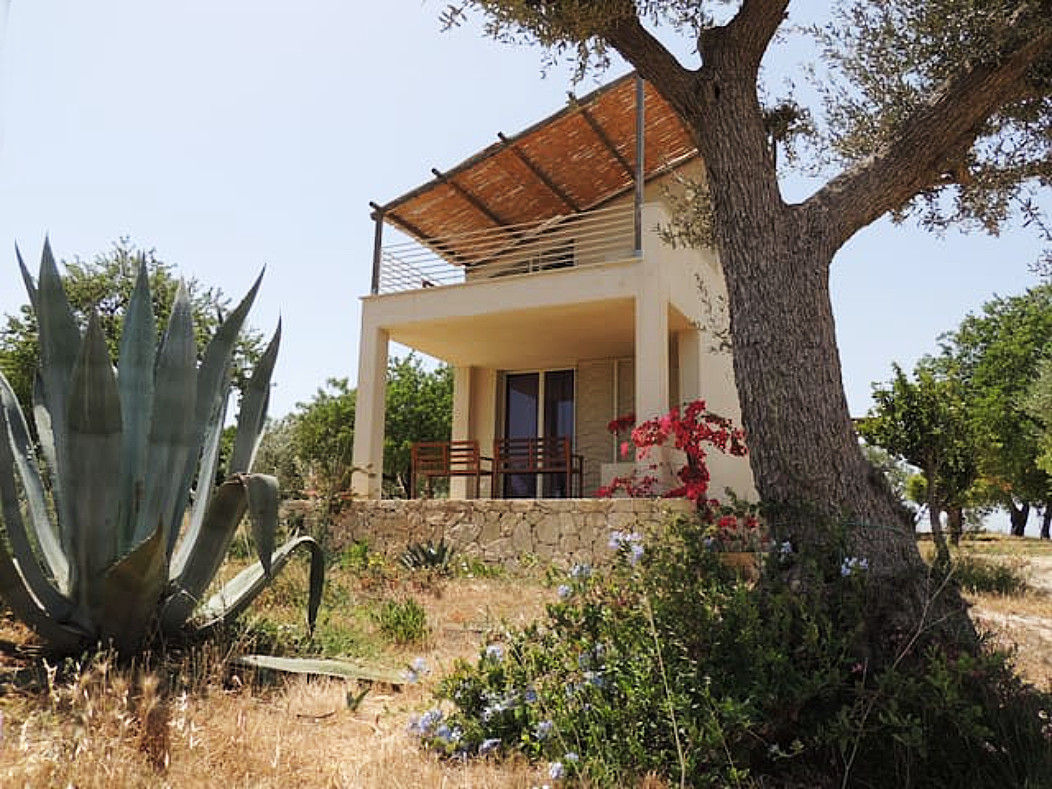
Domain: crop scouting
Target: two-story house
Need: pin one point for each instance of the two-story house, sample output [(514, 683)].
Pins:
[(536, 269)]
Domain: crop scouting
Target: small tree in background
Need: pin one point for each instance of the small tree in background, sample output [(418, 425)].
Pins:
[(995, 354), (105, 284), (925, 422), (419, 408), (313, 445)]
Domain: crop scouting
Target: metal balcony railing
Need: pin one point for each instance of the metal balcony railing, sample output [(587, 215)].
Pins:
[(574, 240)]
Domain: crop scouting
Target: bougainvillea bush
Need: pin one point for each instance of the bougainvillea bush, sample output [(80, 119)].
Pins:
[(667, 663), (694, 431), (733, 525)]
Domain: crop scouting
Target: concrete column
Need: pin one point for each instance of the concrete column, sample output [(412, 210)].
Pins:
[(651, 360), (461, 427), (369, 410), (652, 368), (690, 352)]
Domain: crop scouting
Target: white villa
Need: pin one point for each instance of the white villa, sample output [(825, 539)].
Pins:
[(535, 268)]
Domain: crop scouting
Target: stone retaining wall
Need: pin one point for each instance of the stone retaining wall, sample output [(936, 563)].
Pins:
[(503, 530)]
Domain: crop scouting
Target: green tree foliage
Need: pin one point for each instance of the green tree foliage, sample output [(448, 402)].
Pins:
[(311, 449), (105, 285), (996, 355), (323, 436), (419, 408), (925, 422)]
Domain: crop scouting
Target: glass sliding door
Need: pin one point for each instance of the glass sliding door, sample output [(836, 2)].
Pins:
[(558, 421), (538, 405), (520, 421)]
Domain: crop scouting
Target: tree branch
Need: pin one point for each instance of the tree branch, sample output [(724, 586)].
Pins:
[(654, 63), (927, 145), (753, 27)]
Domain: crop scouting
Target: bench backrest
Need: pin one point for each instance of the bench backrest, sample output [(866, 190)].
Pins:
[(526, 455), (439, 457)]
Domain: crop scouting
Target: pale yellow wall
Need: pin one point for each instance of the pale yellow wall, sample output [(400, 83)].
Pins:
[(595, 407)]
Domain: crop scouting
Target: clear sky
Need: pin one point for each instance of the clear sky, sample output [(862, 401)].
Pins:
[(232, 133)]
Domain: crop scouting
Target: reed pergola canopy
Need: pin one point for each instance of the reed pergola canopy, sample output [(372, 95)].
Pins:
[(573, 161)]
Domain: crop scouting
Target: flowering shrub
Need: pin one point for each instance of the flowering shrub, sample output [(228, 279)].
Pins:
[(732, 527), (691, 432), (671, 665)]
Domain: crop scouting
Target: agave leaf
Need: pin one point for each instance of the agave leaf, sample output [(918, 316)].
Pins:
[(239, 592), (15, 592), (254, 408), (50, 597), (130, 592), (36, 503), (31, 287), (137, 355), (94, 423), (262, 492), (45, 435), (323, 668), (60, 342), (213, 390), (171, 428), (206, 475), (205, 553)]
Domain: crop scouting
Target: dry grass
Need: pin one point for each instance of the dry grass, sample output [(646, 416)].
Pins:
[(102, 727), (1021, 623)]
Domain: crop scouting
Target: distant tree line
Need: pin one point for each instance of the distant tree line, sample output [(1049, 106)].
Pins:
[(975, 419), (309, 449)]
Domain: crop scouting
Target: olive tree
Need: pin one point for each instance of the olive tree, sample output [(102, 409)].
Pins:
[(940, 109)]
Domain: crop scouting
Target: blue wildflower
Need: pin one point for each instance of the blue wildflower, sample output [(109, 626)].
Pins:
[(852, 565), (429, 720), (570, 756), (556, 771), (416, 671), (635, 552), (530, 696), (488, 745), (564, 592), (495, 652), (581, 571), (543, 730), (785, 549)]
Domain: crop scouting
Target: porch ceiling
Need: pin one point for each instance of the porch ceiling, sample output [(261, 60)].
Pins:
[(531, 339), (577, 159)]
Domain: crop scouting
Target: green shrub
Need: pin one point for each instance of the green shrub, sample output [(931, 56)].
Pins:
[(403, 621), (669, 664), (356, 556), (428, 556), (988, 576)]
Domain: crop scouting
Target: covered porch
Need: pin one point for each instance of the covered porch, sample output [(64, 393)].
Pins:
[(576, 346)]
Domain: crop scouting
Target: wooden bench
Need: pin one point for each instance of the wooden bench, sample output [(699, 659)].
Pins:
[(430, 459), (537, 456)]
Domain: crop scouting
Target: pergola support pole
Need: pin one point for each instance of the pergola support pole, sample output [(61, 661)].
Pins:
[(640, 165), (378, 240)]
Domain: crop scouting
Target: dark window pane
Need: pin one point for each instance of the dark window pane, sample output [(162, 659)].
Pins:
[(520, 421), (558, 421)]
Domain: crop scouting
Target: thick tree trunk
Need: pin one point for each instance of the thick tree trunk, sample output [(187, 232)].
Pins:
[(1018, 517), (942, 553), (955, 522), (805, 456), (1046, 521)]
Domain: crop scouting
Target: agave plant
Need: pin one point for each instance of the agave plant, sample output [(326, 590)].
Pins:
[(428, 556), (131, 552)]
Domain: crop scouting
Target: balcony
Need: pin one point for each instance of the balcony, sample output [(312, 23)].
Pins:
[(575, 240)]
